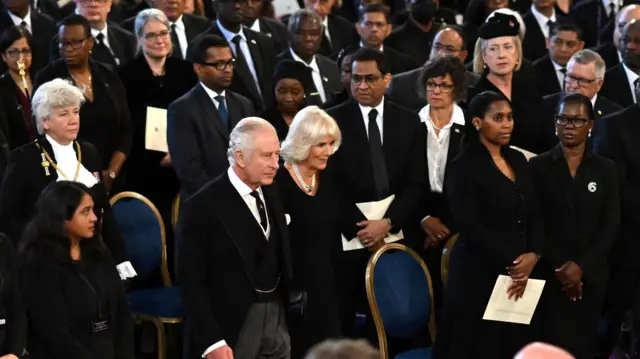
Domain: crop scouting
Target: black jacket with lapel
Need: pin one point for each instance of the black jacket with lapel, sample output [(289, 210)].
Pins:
[(343, 34), (616, 86), (43, 30), (534, 45), (276, 31), (592, 18), (329, 72), (216, 227), (197, 138), (13, 123), (546, 77), (409, 39), (609, 54)]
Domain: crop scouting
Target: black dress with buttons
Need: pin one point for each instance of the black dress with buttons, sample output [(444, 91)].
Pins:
[(498, 220), (581, 220)]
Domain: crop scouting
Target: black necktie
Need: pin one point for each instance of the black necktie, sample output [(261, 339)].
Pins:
[(326, 47), (612, 10), (564, 77), (241, 61), (261, 209), (102, 53), (377, 156), (177, 50), (222, 111), (636, 84), (313, 95), (550, 24)]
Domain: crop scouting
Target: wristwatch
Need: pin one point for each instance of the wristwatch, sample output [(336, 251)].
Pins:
[(112, 175)]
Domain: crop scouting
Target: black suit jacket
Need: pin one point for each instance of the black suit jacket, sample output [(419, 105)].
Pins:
[(276, 31), (50, 8), (330, 78), (412, 41), (534, 45), (609, 54), (592, 18), (13, 123), (546, 78), (264, 56), (343, 34), (13, 337), (216, 226), (198, 140), (44, 29), (404, 151), (194, 25), (616, 86)]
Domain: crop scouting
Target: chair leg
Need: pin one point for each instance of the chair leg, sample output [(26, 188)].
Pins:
[(162, 345)]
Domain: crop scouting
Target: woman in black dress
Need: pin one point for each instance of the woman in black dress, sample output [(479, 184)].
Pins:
[(578, 195), (289, 79), (311, 203), (76, 302), (490, 192), (107, 121), (13, 316)]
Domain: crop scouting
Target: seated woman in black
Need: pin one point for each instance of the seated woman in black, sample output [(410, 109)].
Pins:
[(489, 188), (13, 317), (580, 203), (73, 293)]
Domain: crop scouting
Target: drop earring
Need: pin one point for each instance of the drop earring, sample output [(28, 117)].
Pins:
[(589, 133)]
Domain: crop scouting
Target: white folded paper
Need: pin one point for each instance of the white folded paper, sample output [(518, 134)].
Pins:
[(285, 7), (373, 211), (527, 154), (502, 309), (155, 138)]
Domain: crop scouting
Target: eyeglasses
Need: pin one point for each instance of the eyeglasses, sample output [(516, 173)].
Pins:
[(577, 122), (581, 82), (73, 44), (447, 49), (444, 88), (152, 36), (13, 53), (221, 65), (368, 79)]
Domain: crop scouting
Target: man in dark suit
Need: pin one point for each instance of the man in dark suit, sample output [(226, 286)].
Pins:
[(254, 53), (538, 21), (595, 20), (253, 19), (622, 83), (323, 84), (610, 52), (41, 27), (199, 123), (184, 27), (565, 40), (405, 89), (382, 154), (373, 27), (337, 32), (236, 265)]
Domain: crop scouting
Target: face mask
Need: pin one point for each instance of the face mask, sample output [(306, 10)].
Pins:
[(423, 11)]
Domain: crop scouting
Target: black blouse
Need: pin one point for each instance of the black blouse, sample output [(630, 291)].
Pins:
[(13, 317)]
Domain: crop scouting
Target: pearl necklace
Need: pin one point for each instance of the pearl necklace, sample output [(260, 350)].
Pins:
[(299, 177)]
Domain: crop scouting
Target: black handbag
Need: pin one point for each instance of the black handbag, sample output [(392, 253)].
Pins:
[(297, 305)]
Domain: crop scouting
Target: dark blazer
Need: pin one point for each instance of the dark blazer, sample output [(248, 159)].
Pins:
[(13, 123), (404, 152), (219, 233), (443, 15), (616, 86), (194, 25), (412, 41), (264, 55), (609, 54), (276, 31), (406, 90), (330, 78), (25, 179), (198, 140), (592, 18), (546, 79), (65, 298), (343, 34), (620, 142), (50, 8), (581, 214), (44, 29), (13, 330), (534, 45)]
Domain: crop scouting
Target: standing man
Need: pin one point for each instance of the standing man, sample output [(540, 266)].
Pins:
[(199, 123), (414, 38), (337, 32), (538, 21), (237, 266), (253, 19), (622, 83)]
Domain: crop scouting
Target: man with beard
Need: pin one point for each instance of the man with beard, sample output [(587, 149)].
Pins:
[(622, 83)]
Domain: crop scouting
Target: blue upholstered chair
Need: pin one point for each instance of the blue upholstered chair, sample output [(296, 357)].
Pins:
[(144, 236), (400, 297), (446, 255)]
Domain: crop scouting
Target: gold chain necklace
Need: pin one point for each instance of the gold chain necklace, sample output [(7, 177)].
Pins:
[(75, 177)]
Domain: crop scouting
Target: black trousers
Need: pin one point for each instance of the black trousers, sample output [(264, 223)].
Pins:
[(623, 296)]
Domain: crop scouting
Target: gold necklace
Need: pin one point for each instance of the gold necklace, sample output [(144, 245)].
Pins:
[(85, 88), (75, 177)]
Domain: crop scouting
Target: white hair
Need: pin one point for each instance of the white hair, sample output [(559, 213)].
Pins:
[(507, 11), (54, 94), (144, 17), (243, 136), (587, 57), (309, 126)]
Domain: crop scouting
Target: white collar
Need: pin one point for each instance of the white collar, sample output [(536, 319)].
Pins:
[(366, 109), (457, 116), (632, 76), (212, 94), (242, 188), (543, 20), (593, 101), (256, 25), (313, 65), (104, 32), (556, 66), (381, 48), (67, 163), (607, 3), (17, 20), (228, 35), (325, 23), (179, 23), (58, 147)]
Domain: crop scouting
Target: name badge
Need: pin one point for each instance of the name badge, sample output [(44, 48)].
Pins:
[(3, 321), (100, 326)]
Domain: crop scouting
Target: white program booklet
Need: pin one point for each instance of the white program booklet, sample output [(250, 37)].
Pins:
[(373, 211), (502, 309), (155, 138)]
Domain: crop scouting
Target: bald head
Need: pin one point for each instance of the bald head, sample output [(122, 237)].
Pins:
[(628, 13), (449, 41), (542, 351)]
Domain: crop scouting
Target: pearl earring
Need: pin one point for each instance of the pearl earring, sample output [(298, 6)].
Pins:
[(589, 133)]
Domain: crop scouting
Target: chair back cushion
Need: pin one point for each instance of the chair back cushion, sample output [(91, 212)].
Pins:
[(401, 290)]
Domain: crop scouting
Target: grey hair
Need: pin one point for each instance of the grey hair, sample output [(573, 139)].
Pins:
[(144, 17), (523, 28), (309, 126), (298, 16), (343, 349), (54, 94), (587, 57), (243, 136)]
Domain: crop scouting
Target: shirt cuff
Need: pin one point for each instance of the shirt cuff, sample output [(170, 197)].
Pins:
[(125, 269), (214, 347), (424, 219)]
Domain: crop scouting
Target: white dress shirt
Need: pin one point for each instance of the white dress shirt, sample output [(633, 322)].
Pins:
[(561, 76), (245, 192), (181, 32), (17, 20), (315, 74), (365, 115), (256, 26), (212, 95), (593, 101), (325, 29), (632, 77), (67, 163), (244, 47), (543, 20), (607, 6), (381, 48), (438, 145)]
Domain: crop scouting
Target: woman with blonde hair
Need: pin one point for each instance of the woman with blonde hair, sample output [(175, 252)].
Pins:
[(311, 202)]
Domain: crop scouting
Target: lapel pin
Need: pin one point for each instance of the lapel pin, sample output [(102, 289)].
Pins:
[(599, 113), (325, 79), (254, 42), (268, 34), (457, 130), (592, 187)]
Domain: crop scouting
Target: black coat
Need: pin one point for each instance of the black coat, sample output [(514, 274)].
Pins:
[(443, 15), (64, 298), (194, 25), (609, 54), (330, 78), (13, 316), (591, 17), (13, 122), (218, 236), (409, 39), (197, 139), (44, 30), (546, 76), (343, 34), (25, 179), (49, 7), (276, 31), (534, 45), (616, 86)]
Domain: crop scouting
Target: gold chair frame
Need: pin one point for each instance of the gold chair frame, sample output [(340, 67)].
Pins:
[(373, 304), (139, 318), (175, 212), (446, 257)]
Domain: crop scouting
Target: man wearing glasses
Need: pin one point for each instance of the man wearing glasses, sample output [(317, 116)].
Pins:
[(199, 123)]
